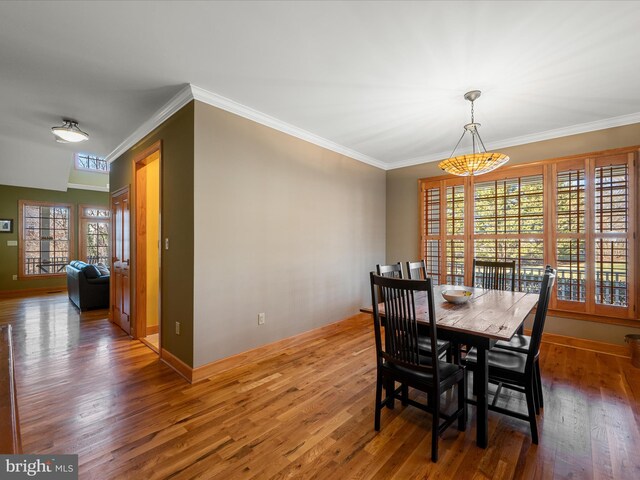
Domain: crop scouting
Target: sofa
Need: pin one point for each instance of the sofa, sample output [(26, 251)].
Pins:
[(88, 285)]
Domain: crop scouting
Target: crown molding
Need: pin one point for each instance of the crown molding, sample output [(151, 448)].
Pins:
[(95, 188), (232, 106), (192, 92), (178, 101), (530, 138)]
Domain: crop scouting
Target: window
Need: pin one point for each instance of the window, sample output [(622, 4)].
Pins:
[(45, 234), (509, 225), (611, 242), (571, 234), (94, 234), (431, 221), (577, 214), (454, 237), (443, 232), (91, 163)]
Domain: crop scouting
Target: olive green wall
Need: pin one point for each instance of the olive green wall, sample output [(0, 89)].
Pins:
[(9, 197), (176, 166), (403, 222)]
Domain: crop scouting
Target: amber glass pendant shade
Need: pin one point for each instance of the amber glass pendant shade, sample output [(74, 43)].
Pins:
[(473, 163)]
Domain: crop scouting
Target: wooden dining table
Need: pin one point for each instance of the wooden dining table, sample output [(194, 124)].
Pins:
[(488, 316)]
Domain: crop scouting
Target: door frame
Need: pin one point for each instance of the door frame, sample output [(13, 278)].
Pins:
[(139, 278)]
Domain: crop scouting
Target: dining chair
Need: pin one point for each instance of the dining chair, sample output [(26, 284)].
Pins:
[(520, 343), (516, 370), (417, 270), (494, 275), (400, 358), (395, 271)]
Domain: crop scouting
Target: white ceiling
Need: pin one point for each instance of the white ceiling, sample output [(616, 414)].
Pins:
[(382, 78)]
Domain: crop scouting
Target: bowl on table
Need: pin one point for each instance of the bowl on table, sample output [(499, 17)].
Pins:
[(457, 295)]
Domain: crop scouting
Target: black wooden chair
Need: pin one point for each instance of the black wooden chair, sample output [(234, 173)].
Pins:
[(516, 370), (494, 275), (395, 271), (400, 358), (520, 343), (417, 270)]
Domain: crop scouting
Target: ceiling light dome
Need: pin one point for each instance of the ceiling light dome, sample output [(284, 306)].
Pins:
[(476, 162), (69, 132)]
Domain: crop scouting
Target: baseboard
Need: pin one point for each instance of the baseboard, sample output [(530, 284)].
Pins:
[(29, 292), (178, 365), (584, 344), (150, 330), (259, 353)]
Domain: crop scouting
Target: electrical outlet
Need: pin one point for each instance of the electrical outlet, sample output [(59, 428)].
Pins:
[(261, 318), (15, 277), (177, 328)]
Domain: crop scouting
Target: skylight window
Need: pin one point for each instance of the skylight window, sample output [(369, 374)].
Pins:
[(91, 163)]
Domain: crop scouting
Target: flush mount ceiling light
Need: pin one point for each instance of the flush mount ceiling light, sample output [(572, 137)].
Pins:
[(69, 132), (477, 162)]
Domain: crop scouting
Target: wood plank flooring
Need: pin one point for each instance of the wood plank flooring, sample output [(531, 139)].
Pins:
[(304, 412)]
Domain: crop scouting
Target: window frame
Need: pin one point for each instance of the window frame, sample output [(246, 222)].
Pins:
[(549, 170), (21, 237), (83, 220)]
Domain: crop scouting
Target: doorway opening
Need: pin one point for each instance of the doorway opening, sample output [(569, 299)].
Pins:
[(148, 251)]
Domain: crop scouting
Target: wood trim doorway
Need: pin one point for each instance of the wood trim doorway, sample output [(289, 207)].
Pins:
[(148, 266)]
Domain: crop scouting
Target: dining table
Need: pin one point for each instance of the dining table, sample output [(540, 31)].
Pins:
[(485, 318)]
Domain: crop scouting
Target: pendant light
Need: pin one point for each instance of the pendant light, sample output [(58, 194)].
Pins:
[(477, 162)]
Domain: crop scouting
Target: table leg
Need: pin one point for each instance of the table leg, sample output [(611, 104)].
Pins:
[(482, 371)]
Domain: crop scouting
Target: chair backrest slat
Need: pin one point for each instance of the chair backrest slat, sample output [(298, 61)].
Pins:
[(494, 275), (401, 322)]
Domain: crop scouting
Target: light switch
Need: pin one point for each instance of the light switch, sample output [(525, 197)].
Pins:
[(12, 243), (166, 243)]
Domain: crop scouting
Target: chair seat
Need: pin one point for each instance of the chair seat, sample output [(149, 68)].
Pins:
[(505, 360), (424, 344), (519, 343), (449, 372)]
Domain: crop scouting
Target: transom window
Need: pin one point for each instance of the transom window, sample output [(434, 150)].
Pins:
[(45, 237), (576, 214), (91, 163)]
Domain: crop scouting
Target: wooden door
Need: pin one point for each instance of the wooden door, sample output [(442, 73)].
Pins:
[(121, 290)]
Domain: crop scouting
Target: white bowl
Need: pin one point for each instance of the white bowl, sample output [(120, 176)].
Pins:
[(457, 295)]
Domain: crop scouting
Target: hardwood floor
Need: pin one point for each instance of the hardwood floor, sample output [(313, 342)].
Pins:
[(305, 412)]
